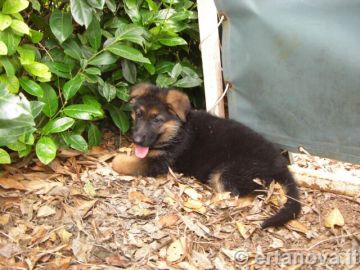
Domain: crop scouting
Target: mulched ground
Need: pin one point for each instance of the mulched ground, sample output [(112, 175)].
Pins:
[(79, 214)]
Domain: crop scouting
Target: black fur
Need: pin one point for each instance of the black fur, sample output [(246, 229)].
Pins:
[(204, 144)]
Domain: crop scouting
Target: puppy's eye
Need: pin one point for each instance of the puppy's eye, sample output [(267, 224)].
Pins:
[(158, 119), (138, 114)]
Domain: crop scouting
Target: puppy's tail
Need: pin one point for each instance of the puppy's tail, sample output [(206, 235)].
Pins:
[(292, 207)]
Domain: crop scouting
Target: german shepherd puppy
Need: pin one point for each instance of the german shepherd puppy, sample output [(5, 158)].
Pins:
[(222, 153)]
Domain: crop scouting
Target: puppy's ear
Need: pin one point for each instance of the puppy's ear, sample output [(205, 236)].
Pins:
[(139, 90), (178, 103)]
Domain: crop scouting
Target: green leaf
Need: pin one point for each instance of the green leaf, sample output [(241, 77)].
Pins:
[(61, 25), (71, 87), (17, 146), (83, 111), (176, 71), (27, 138), (26, 151), (94, 135), (50, 100), (27, 55), (132, 10), (46, 149), (5, 21), (164, 80), (128, 53), (4, 157), (38, 69), (91, 100), (81, 12), (31, 87), (72, 49), (11, 40), (93, 71), (188, 82), (108, 91), (120, 119), (123, 93), (36, 36), (58, 125), (60, 69), (99, 4), (130, 32), (111, 4), (105, 58), (3, 48), (15, 116), (36, 5), (75, 141), (36, 107), (172, 41), (20, 27), (8, 66), (14, 6), (11, 82), (94, 34), (129, 71)]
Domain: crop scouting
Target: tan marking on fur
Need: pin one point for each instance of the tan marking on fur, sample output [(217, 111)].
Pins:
[(168, 131), (155, 153), (140, 90), (179, 103), (216, 183), (153, 112), (129, 165)]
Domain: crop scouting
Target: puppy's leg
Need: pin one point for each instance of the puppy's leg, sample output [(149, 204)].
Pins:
[(131, 165)]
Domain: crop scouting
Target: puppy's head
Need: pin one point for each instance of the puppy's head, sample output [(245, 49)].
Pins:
[(157, 116)]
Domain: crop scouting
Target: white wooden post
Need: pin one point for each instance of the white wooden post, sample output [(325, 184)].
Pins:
[(210, 53)]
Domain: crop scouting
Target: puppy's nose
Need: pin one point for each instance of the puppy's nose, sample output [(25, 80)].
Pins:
[(138, 139)]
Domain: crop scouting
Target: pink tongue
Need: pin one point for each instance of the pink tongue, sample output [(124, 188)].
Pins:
[(141, 151)]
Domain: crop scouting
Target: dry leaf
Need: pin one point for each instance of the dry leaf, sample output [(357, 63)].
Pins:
[(40, 186), (334, 218), (221, 264), (276, 194), (136, 196), (89, 189), (176, 250), (168, 220), (201, 260), (244, 230), (45, 211), (297, 226), (10, 183), (4, 219), (118, 260), (8, 250), (277, 243), (81, 248), (186, 266), (64, 235), (221, 197), (169, 201), (245, 200), (195, 205), (193, 226), (192, 193)]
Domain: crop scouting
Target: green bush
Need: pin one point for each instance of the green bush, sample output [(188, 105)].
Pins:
[(67, 64)]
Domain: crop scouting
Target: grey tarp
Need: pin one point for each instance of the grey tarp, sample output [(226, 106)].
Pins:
[(295, 70)]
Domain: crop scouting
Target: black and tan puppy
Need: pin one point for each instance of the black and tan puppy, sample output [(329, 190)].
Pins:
[(222, 153)]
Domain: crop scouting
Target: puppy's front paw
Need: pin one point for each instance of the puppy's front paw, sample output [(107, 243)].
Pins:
[(128, 165)]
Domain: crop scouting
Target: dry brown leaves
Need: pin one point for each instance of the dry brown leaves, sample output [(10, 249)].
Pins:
[(79, 214)]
